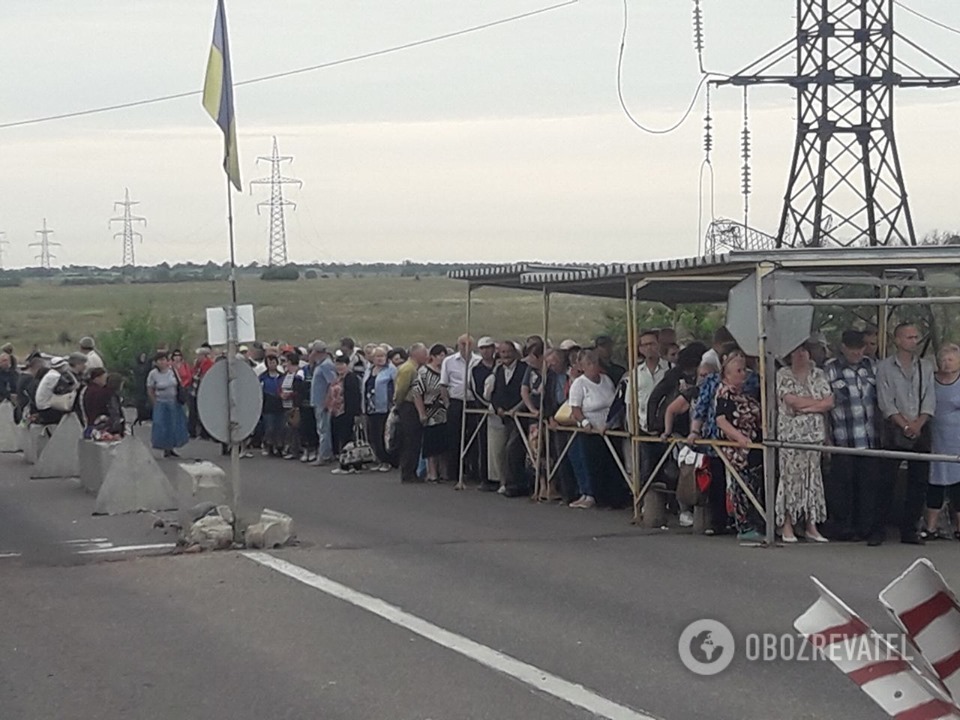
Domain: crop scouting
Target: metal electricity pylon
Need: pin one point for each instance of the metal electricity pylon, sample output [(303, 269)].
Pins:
[(846, 167), (45, 244), (3, 243), (277, 254), (128, 234)]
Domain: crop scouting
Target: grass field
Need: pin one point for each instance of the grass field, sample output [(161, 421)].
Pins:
[(397, 310)]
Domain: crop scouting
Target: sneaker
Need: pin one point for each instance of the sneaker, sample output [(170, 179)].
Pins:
[(289, 456), (587, 502), (578, 503), (247, 454), (502, 490), (338, 471), (304, 456), (385, 467), (319, 462), (265, 452), (686, 519), (750, 536)]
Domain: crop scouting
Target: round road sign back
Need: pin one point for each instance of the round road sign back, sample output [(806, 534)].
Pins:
[(212, 401)]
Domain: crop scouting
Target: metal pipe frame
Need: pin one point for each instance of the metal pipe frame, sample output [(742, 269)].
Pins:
[(860, 302)]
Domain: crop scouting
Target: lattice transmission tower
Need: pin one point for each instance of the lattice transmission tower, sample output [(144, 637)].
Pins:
[(277, 253), (45, 243), (3, 244), (128, 233), (846, 184)]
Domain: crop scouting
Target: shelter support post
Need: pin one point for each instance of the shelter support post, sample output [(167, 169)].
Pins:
[(633, 413), (541, 483), (768, 399), (464, 447)]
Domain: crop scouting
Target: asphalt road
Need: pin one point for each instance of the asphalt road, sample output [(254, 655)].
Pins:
[(581, 596)]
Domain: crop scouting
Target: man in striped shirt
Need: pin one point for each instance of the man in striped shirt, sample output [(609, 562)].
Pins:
[(855, 507)]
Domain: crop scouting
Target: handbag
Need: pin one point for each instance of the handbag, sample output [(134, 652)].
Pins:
[(64, 402), (183, 394), (359, 452), (564, 415), (893, 437)]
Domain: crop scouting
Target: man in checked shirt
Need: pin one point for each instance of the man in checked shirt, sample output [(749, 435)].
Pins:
[(858, 491)]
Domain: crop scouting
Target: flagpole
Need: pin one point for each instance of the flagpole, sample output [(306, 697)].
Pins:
[(231, 358)]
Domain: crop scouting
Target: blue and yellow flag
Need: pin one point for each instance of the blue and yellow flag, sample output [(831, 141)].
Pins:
[(218, 95)]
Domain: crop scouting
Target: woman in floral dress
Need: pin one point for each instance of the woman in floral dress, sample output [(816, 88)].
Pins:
[(738, 420), (803, 397)]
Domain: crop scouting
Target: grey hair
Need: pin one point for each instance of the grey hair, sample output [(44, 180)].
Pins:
[(947, 349), (589, 356), (415, 347)]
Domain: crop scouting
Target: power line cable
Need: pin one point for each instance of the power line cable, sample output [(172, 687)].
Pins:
[(704, 77), (288, 73), (929, 19)]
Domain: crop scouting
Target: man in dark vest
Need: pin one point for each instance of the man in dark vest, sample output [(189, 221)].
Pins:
[(505, 446)]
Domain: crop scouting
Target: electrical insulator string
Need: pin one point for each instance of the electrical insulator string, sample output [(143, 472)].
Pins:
[(745, 170)]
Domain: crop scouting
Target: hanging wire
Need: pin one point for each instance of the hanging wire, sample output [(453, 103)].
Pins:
[(745, 169), (297, 71), (704, 77), (929, 19)]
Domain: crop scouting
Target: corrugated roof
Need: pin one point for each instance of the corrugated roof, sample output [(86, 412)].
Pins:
[(691, 279)]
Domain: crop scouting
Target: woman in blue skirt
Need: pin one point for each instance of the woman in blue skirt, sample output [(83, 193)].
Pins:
[(169, 420)]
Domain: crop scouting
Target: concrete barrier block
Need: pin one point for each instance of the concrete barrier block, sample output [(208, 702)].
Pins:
[(9, 433), (59, 458), (275, 529), (655, 507), (701, 519), (200, 482), (95, 459), (33, 439), (134, 482)]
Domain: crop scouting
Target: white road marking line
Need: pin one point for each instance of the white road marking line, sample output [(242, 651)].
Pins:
[(533, 676), (9, 555), (127, 548), (86, 541)]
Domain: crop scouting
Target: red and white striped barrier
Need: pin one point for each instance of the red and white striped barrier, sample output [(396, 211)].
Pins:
[(927, 611), (890, 680)]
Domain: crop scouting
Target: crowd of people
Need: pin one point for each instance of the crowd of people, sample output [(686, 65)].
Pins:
[(380, 407)]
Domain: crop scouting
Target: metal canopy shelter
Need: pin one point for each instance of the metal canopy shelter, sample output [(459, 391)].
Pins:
[(709, 279)]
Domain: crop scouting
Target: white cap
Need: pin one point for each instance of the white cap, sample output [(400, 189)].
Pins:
[(486, 341), (569, 344)]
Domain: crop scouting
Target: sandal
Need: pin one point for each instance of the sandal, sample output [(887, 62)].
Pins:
[(927, 535)]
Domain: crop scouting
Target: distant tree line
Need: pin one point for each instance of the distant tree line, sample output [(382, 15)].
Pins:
[(211, 271)]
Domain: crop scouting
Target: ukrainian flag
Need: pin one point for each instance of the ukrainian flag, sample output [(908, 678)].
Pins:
[(218, 95)]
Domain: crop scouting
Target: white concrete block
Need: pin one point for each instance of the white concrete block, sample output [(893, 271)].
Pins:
[(95, 460), (134, 482), (198, 482), (33, 439), (9, 434), (59, 458), (275, 529)]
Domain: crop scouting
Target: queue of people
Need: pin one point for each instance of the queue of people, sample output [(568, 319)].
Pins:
[(472, 411)]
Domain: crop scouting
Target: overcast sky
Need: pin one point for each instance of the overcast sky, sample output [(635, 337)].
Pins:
[(501, 145)]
